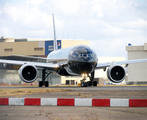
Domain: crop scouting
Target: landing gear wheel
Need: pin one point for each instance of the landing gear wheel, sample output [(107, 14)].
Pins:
[(43, 83), (82, 84), (89, 83), (40, 83), (85, 84), (94, 83), (46, 83)]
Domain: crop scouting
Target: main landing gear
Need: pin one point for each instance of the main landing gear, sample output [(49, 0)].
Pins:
[(89, 83), (44, 76)]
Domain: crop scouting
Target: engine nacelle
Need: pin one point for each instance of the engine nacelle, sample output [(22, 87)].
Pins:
[(28, 73), (116, 73)]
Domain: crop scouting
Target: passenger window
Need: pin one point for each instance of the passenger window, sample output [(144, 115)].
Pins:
[(80, 55), (85, 55)]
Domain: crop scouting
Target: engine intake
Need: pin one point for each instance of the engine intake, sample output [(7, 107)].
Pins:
[(116, 73), (28, 73)]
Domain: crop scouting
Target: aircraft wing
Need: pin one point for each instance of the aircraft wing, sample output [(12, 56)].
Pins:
[(32, 57), (105, 65), (41, 58), (48, 66)]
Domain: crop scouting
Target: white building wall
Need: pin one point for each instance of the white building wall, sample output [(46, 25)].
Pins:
[(137, 72)]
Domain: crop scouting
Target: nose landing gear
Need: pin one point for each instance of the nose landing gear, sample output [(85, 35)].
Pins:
[(83, 83), (89, 83)]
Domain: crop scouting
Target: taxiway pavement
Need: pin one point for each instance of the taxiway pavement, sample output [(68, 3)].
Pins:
[(87, 88), (71, 113)]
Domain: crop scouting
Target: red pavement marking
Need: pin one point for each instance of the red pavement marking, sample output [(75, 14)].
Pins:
[(101, 102), (4, 101), (137, 102), (32, 101), (65, 102)]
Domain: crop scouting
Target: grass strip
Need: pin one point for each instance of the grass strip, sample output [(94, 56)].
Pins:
[(23, 91)]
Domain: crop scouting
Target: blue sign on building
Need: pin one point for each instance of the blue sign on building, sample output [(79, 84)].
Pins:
[(49, 46)]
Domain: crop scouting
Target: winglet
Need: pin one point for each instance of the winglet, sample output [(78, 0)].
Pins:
[(55, 41)]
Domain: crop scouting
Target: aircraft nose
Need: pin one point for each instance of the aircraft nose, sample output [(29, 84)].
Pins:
[(82, 54), (82, 59)]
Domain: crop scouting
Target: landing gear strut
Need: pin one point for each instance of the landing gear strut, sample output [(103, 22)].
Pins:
[(83, 83), (43, 82), (89, 83)]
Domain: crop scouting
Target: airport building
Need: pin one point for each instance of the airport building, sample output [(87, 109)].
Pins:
[(137, 72)]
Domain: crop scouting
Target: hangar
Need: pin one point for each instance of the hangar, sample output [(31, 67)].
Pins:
[(137, 73)]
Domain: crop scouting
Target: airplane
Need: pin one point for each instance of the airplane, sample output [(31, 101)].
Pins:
[(73, 61)]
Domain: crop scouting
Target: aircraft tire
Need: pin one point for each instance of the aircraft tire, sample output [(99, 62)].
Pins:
[(40, 83), (82, 84), (94, 83), (89, 83), (85, 84), (46, 83)]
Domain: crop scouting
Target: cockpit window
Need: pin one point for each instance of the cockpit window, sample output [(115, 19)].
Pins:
[(85, 55), (90, 55)]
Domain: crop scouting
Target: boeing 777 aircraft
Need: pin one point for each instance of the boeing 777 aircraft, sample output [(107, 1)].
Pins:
[(72, 61)]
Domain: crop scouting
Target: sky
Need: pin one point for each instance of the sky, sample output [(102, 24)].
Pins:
[(109, 25)]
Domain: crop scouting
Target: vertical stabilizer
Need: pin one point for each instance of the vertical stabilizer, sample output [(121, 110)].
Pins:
[(55, 41)]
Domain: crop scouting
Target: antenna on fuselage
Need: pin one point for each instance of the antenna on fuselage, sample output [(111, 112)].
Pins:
[(55, 41)]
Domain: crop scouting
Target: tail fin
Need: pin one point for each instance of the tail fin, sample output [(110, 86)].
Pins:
[(55, 41)]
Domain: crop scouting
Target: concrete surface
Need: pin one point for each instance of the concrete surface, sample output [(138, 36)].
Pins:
[(71, 113), (87, 88)]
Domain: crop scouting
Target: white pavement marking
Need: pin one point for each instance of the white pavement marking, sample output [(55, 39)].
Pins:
[(83, 101), (114, 102), (16, 101), (49, 101)]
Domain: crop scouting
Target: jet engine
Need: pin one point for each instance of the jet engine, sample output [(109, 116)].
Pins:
[(116, 73), (28, 73)]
